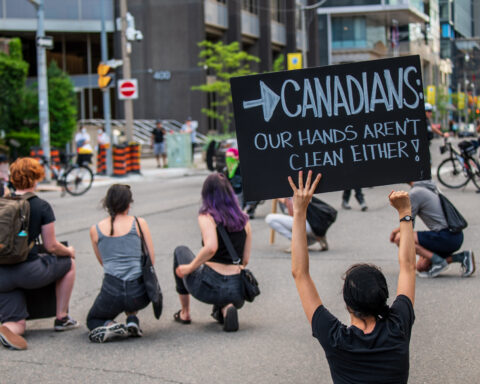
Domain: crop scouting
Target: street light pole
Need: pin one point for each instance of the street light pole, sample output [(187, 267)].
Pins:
[(43, 117), (126, 71), (106, 93), (465, 85)]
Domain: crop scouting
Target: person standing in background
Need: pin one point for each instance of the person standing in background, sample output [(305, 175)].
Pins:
[(191, 128), (158, 144)]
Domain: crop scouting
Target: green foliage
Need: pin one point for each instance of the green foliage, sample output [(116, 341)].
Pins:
[(26, 140), (223, 62), (62, 104), (13, 74), (442, 105), (279, 63)]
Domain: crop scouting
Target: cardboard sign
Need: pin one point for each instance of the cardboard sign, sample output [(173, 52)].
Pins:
[(360, 125)]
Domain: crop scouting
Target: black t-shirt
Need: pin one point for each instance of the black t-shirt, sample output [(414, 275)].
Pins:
[(158, 135), (238, 241), (41, 213), (381, 356)]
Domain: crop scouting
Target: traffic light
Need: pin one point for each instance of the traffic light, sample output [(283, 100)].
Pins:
[(103, 79)]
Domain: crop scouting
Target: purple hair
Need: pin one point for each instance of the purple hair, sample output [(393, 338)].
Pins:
[(219, 201)]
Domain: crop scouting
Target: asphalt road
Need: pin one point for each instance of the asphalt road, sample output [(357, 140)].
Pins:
[(274, 343)]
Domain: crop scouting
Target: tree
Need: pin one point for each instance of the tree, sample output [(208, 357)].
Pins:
[(222, 63), (279, 63), (13, 74), (62, 106)]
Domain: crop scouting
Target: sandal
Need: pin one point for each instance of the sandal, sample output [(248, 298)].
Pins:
[(178, 319)]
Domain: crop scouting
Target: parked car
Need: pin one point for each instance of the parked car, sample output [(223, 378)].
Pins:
[(466, 130)]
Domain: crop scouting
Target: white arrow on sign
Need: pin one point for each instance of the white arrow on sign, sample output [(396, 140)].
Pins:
[(268, 101)]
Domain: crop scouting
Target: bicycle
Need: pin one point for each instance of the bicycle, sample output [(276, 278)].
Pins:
[(460, 167), (72, 178)]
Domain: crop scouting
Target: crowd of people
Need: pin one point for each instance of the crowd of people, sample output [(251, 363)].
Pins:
[(373, 348)]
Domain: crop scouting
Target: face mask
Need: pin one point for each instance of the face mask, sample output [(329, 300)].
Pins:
[(84, 130), (100, 131)]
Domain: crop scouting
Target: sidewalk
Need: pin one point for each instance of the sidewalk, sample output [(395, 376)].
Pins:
[(149, 171)]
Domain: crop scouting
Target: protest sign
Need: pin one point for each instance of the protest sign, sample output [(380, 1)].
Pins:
[(360, 125)]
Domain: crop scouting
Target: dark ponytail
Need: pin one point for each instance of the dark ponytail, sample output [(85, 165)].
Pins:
[(117, 200), (365, 291)]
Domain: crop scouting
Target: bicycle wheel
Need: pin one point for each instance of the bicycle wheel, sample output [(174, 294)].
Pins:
[(451, 173), (475, 169), (78, 180)]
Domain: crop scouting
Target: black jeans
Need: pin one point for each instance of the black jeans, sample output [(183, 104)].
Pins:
[(205, 284), (358, 195), (115, 297)]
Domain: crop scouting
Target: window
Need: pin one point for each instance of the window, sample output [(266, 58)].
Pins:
[(349, 32), (250, 6), (278, 8)]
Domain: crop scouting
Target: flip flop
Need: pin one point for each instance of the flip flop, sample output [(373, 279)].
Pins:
[(178, 319)]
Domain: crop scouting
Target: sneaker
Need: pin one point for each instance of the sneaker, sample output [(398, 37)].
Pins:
[(65, 324), (434, 270), (288, 250), (133, 326), (323, 243), (345, 205), (231, 320), (217, 314), (363, 207), (468, 264), (108, 332), (11, 340)]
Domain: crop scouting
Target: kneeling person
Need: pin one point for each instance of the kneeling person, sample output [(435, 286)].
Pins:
[(436, 246)]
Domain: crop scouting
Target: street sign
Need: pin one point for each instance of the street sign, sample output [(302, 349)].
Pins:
[(127, 89), (45, 42), (360, 125), (294, 61)]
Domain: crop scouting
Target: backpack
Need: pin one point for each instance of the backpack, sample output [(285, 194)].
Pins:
[(456, 222), (320, 216), (14, 220)]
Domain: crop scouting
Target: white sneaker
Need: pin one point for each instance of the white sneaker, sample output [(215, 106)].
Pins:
[(434, 270)]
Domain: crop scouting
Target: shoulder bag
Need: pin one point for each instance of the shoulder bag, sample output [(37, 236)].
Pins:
[(320, 216), (250, 283), (150, 278), (456, 222)]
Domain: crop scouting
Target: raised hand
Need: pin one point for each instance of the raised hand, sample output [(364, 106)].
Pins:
[(303, 194), (401, 202)]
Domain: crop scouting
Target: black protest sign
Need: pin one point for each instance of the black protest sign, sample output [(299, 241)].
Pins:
[(360, 125)]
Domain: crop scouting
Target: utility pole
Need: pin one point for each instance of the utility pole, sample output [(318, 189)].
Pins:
[(43, 117), (302, 9), (106, 94), (128, 106)]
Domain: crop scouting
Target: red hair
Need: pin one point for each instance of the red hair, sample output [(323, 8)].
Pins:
[(25, 172)]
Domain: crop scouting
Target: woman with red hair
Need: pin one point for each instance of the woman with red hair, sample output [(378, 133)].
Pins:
[(38, 270)]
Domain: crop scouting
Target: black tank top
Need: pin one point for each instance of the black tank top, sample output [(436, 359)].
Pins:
[(238, 241)]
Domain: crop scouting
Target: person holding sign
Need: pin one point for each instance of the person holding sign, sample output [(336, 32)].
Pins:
[(375, 347), (213, 275)]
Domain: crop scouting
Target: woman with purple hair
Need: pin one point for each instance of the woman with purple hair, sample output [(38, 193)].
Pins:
[(212, 276)]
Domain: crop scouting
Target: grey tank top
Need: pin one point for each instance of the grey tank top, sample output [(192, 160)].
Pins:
[(121, 255)]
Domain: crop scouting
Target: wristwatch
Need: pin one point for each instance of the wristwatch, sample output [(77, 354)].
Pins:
[(407, 218)]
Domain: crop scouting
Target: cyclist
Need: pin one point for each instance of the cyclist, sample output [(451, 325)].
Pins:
[(432, 128)]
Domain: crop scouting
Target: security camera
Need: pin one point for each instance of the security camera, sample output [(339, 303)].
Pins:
[(138, 35)]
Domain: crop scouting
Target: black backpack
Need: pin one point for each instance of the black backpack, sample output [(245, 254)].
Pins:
[(456, 222), (320, 216)]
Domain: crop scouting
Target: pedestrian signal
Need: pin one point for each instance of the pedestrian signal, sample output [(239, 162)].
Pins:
[(103, 79)]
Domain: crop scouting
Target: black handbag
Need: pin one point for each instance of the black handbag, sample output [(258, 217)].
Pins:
[(250, 283), (150, 278), (456, 222), (320, 216)]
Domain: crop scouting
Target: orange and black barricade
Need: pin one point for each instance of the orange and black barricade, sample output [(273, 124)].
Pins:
[(134, 158), (102, 159), (119, 161)]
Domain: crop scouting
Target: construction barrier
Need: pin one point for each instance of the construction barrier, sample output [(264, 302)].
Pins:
[(37, 153), (133, 159), (102, 159), (119, 161)]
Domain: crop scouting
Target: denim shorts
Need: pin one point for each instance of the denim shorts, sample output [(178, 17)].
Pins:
[(443, 242)]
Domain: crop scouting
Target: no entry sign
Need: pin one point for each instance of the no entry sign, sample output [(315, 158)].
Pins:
[(360, 125), (127, 89)]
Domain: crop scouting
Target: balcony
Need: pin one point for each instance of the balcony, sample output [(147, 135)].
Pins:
[(403, 11), (279, 33), (250, 24), (216, 14)]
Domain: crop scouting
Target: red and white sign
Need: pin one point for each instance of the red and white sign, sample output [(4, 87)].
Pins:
[(127, 89)]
